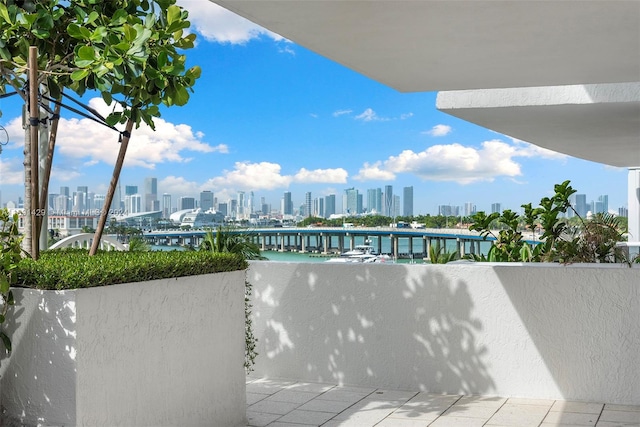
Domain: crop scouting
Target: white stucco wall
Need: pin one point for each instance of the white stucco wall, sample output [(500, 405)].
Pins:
[(166, 352), (535, 330)]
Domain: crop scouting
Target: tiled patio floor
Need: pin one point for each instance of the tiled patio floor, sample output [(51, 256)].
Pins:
[(288, 404)]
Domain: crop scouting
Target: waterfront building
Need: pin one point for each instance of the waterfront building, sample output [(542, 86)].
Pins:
[(307, 204), (329, 205), (206, 200), (396, 206), (98, 202), (287, 205), (469, 209), (166, 205), (318, 207), (350, 201), (130, 190), (222, 208), (240, 205), (150, 193), (186, 203), (407, 202), (496, 208), (387, 209), (133, 204), (602, 205), (374, 200)]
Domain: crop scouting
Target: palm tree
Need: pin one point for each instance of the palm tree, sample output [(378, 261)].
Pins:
[(226, 240)]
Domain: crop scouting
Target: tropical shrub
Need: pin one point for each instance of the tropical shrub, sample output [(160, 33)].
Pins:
[(228, 240), (74, 268), (10, 256), (592, 240)]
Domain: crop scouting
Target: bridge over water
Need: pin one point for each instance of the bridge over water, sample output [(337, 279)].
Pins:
[(397, 242)]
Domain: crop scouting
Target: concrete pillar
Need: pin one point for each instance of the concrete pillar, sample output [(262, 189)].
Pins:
[(352, 242), (394, 245), (303, 246), (281, 242), (326, 241), (263, 248), (411, 247), (379, 244)]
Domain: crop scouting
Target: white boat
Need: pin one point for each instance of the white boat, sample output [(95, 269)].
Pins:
[(361, 254)]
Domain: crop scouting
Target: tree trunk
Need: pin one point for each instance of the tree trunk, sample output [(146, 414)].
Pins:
[(102, 220)]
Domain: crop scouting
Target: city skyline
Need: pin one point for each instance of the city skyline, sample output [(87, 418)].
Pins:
[(269, 116), (243, 205)]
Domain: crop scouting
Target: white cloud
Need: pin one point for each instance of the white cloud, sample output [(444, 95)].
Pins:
[(406, 116), (525, 149), (339, 113), (330, 176), (439, 130), (89, 142), (217, 24), (374, 172), (178, 185), (11, 172), (453, 162), (254, 176), (369, 115)]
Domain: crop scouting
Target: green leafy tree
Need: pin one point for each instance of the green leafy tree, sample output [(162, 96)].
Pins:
[(561, 240), (10, 256), (127, 50)]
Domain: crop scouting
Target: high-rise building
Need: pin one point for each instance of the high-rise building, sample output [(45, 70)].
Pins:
[(396, 206), (329, 205), (374, 200), (623, 211), (307, 204), (407, 201), (387, 209), (287, 206), (150, 193), (98, 202), (250, 207), (350, 201), (469, 209), (206, 200), (318, 207), (166, 205), (240, 205), (130, 190), (186, 203), (581, 206), (64, 191), (496, 208), (133, 203), (222, 208), (447, 210), (602, 205)]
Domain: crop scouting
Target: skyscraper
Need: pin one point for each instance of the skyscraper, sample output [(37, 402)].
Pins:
[(206, 200), (150, 193), (186, 203), (166, 205), (374, 200), (350, 201), (329, 205), (496, 208), (240, 205), (407, 201), (603, 204), (318, 207), (307, 204), (469, 209), (287, 207), (581, 205), (130, 189), (387, 209)]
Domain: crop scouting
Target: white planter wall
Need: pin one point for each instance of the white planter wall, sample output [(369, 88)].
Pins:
[(165, 352), (535, 330)]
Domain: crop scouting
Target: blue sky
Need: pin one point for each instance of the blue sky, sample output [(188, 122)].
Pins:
[(270, 116)]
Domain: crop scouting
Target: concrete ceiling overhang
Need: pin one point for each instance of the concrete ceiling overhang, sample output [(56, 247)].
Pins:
[(425, 45), (599, 122), (448, 45)]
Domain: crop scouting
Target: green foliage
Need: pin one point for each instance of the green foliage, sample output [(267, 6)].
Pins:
[(74, 268), (138, 244), (228, 240), (128, 50), (10, 256), (592, 240), (438, 255), (225, 241)]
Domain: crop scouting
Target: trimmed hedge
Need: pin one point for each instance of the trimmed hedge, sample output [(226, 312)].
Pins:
[(73, 269)]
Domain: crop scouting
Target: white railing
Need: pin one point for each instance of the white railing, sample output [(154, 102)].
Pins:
[(85, 240)]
